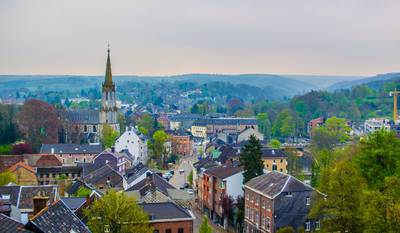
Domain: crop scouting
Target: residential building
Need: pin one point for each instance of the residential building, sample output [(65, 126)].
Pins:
[(119, 161), (105, 178), (51, 175), (11, 225), (55, 218), (274, 160), (275, 200), (181, 143), (71, 154), (164, 121), (216, 184), (21, 199), (376, 124), (25, 174), (136, 174), (245, 134), (168, 217), (7, 161), (183, 121), (199, 129), (315, 123), (42, 160), (135, 143)]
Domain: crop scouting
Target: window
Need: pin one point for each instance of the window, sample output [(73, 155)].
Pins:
[(47, 175), (308, 201), (281, 170), (262, 220), (251, 198), (180, 230), (317, 225), (247, 212), (257, 200), (281, 160), (263, 204), (274, 167), (289, 194), (268, 223), (168, 231), (256, 217), (247, 196), (5, 197), (53, 175), (308, 226)]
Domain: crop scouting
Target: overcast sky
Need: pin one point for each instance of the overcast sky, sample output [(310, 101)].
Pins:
[(165, 37)]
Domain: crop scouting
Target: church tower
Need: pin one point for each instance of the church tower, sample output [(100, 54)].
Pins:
[(108, 111)]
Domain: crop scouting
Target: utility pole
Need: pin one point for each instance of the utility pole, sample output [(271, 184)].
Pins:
[(394, 93)]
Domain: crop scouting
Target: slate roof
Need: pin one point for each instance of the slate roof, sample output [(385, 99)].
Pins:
[(7, 161), (274, 183), (84, 116), (101, 175), (71, 148), (225, 170), (185, 116), (73, 203), (135, 172), (231, 121), (57, 217), (60, 169), (46, 160), (10, 225), (166, 211), (144, 186), (22, 196), (205, 163), (23, 165), (273, 153)]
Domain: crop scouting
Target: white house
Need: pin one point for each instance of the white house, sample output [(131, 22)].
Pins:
[(135, 143)]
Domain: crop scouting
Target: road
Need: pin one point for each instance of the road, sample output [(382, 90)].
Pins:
[(178, 180)]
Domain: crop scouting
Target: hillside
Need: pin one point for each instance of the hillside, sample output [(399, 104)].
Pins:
[(377, 80)]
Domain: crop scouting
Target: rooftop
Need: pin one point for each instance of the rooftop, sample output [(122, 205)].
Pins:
[(225, 170), (71, 149), (166, 211), (10, 225)]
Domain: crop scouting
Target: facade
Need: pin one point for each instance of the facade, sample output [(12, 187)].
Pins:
[(105, 178), (119, 161), (7, 161), (135, 143), (50, 175), (246, 133), (276, 200), (376, 124), (181, 143), (315, 123), (163, 120), (91, 122), (24, 173), (228, 125), (71, 154), (168, 217), (199, 129), (216, 184), (183, 121), (274, 160)]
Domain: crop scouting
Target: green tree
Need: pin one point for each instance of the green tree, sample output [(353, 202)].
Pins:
[(145, 123), (379, 157), (7, 177), (158, 149), (343, 186), (118, 213), (108, 136), (276, 144), (286, 230), (82, 192), (264, 124), (5, 149), (334, 131), (250, 158), (190, 178), (205, 226)]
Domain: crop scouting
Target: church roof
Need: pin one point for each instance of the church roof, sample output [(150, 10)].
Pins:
[(84, 116), (108, 84)]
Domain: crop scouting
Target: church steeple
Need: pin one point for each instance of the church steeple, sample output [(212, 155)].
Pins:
[(108, 82)]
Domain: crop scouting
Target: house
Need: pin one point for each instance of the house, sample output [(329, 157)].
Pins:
[(70, 154), (119, 161), (153, 188), (7, 161), (105, 178), (228, 125), (315, 123), (42, 160), (11, 225), (182, 143), (199, 167), (78, 204), (245, 134), (274, 159), (169, 217), (199, 129), (136, 174), (135, 143), (21, 198), (25, 174), (164, 121), (56, 218), (218, 183), (183, 121), (50, 175), (376, 124), (275, 200)]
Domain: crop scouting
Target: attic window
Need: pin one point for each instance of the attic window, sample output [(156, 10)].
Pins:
[(289, 194), (308, 200)]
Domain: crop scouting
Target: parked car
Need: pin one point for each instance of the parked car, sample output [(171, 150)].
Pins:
[(172, 172), (181, 171), (190, 191)]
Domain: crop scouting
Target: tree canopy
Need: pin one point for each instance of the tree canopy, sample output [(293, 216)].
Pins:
[(108, 136), (250, 158)]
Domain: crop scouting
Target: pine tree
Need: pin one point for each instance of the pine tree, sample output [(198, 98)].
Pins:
[(250, 158)]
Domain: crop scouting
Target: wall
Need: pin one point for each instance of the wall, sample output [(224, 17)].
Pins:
[(174, 226), (234, 185)]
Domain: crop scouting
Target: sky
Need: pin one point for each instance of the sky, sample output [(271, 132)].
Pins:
[(166, 37)]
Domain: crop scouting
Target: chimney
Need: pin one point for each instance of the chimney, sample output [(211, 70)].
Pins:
[(52, 150), (39, 203)]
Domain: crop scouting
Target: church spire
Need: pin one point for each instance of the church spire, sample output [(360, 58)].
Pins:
[(108, 78)]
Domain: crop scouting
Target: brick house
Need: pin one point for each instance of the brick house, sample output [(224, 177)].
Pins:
[(217, 183), (168, 217), (181, 143), (275, 200), (49, 175), (70, 154), (24, 173)]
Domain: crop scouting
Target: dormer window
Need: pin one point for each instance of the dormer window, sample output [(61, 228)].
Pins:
[(308, 201), (289, 194)]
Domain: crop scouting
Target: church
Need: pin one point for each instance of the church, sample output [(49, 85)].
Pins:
[(90, 123)]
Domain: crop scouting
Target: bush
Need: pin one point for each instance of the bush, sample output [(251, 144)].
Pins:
[(172, 158), (5, 149)]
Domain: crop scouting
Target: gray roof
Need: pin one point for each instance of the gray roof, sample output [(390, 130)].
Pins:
[(225, 170), (273, 153), (22, 196), (227, 121), (60, 169), (104, 175), (58, 218), (10, 225), (133, 173), (84, 116), (274, 183), (185, 116), (73, 203), (71, 149), (144, 185), (166, 211)]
